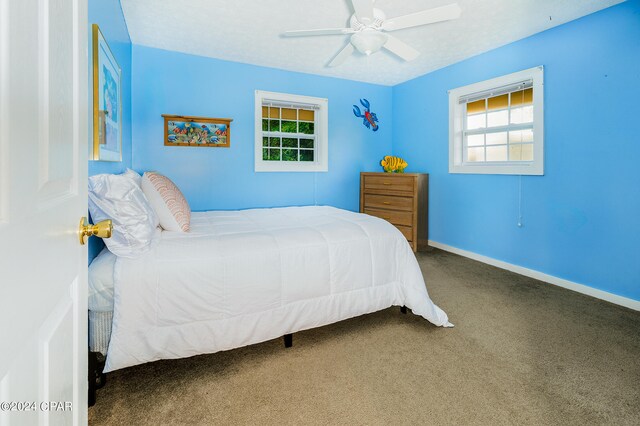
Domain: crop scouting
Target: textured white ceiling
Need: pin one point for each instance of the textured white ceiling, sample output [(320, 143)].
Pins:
[(250, 31)]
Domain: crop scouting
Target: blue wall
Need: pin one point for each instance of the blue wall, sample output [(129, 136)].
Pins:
[(223, 178), (580, 220), (109, 17)]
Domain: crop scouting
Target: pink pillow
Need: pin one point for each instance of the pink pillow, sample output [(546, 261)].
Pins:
[(167, 201)]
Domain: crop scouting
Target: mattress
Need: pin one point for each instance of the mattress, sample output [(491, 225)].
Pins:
[(243, 277)]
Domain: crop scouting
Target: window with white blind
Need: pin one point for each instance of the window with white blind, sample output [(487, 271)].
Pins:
[(291, 133), (496, 126)]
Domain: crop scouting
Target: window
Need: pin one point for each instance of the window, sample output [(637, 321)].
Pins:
[(291, 133), (496, 126)]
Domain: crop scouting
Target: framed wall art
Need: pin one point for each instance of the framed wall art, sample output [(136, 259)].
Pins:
[(107, 101), (180, 130)]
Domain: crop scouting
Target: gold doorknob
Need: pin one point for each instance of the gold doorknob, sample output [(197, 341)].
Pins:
[(101, 229)]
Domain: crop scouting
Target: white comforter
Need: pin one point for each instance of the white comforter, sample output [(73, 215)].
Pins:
[(243, 277)]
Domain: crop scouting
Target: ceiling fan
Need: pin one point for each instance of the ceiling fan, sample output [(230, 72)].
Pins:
[(369, 27)]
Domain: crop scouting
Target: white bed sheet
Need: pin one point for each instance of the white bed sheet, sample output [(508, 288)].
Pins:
[(243, 277), (100, 301), (101, 282)]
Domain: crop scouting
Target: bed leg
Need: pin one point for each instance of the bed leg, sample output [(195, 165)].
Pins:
[(288, 340), (97, 378), (92, 379), (403, 309)]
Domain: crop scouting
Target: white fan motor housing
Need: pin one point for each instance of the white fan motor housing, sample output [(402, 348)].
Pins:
[(378, 19)]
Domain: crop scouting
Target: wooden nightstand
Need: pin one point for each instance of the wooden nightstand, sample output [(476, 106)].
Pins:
[(400, 198)]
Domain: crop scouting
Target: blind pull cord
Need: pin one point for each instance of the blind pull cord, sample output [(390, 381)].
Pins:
[(520, 201)]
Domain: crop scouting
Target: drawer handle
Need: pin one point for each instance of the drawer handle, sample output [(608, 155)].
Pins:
[(386, 202), (386, 183)]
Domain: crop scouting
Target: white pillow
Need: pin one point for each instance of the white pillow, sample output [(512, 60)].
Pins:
[(120, 199), (132, 174), (167, 201)]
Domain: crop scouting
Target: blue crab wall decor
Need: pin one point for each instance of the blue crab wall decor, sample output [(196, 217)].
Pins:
[(369, 119)]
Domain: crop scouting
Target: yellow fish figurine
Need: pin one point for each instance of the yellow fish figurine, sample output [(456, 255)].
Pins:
[(392, 164)]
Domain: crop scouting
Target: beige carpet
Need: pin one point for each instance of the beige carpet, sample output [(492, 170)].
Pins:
[(522, 352)]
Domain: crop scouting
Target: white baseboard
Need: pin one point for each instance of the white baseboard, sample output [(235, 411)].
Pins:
[(580, 288)]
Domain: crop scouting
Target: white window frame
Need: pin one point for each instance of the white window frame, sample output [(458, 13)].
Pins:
[(321, 126), (457, 114)]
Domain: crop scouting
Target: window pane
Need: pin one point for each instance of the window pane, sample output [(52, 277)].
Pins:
[(498, 102), (497, 153), (522, 152), (496, 138), (265, 112), (476, 121), (306, 155), (522, 115), (289, 155), (476, 107), (306, 143), (289, 114), (265, 125), (475, 140), (274, 112), (522, 97), (475, 154), (306, 115), (265, 141), (516, 115), (274, 125), (289, 142), (519, 136), (274, 155), (290, 126), (515, 152), (274, 142), (498, 118), (307, 128), (265, 154)]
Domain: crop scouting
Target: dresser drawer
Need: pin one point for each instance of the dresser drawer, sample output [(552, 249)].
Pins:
[(388, 202), (391, 183), (395, 217), (407, 231)]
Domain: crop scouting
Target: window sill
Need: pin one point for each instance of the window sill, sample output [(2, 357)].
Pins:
[(278, 166), (500, 169)]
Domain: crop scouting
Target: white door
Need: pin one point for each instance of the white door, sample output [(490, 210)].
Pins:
[(43, 194)]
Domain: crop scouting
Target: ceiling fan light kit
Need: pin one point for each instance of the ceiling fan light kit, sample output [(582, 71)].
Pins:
[(368, 41), (368, 28)]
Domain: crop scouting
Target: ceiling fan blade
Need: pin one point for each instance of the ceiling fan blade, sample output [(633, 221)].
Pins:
[(401, 49), (430, 16), (325, 31), (364, 10), (342, 56)]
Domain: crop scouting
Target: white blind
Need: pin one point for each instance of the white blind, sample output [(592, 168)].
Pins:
[(497, 91), (280, 104)]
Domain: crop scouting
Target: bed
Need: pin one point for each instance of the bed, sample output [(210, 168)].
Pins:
[(244, 277)]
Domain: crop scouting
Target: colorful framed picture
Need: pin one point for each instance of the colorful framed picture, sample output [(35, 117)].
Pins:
[(107, 101), (182, 130)]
